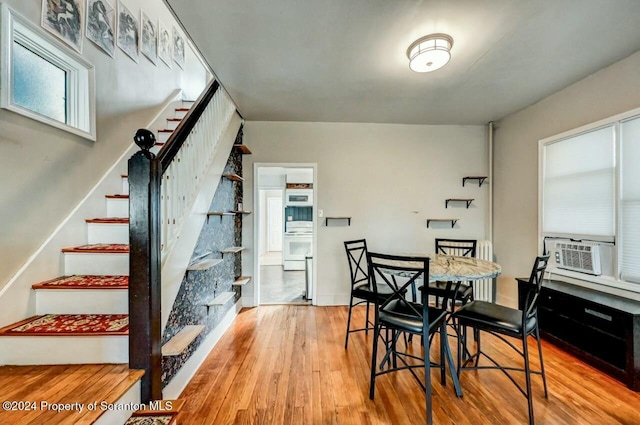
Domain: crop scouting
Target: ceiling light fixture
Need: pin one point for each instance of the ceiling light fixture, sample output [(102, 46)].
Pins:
[(430, 52)]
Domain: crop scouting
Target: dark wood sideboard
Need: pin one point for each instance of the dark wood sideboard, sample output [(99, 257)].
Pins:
[(601, 329)]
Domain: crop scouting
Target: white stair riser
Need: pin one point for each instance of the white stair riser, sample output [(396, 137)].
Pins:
[(38, 350), (107, 233), (156, 149), (96, 264), (187, 103), (125, 185), (116, 416), (117, 207), (172, 125), (181, 114), (82, 301), (163, 136)]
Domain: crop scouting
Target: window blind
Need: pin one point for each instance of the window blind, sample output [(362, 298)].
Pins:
[(630, 201), (579, 184)]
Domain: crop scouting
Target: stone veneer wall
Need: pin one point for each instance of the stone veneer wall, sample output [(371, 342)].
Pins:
[(198, 287)]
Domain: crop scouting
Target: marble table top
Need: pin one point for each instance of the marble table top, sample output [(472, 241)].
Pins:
[(452, 268)]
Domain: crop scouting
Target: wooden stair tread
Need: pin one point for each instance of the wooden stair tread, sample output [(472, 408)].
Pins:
[(99, 248), (165, 130), (182, 109), (69, 325), (109, 220), (84, 282), (64, 384), (174, 119), (117, 196)]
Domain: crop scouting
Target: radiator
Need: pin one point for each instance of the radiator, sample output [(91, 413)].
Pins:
[(483, 289)]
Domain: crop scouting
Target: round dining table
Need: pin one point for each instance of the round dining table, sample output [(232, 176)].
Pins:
[(451, 268)]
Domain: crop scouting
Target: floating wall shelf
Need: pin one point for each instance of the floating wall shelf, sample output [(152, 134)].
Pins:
[(433, 220), (203, 264), (233, 177), (327, 219), (480, 179), (467, 201), (241, 281), (232, 250), (180, 341), (221, 299), (240, 212), (243, 149), (218, 213)]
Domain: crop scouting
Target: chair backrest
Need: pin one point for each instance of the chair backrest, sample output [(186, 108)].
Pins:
[(457, 247), (530, 307), (357, 257), (392, 269)]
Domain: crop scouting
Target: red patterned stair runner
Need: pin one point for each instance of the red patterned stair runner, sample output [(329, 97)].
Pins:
[(162, 412), (109, 220), (70, 324), (117, 248), (85, 282)]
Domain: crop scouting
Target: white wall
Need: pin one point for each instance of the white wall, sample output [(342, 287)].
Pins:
[(610, 91), (389, 178), (45, 172)]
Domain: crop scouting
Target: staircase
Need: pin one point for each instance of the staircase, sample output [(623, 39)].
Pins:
[(82, 316)]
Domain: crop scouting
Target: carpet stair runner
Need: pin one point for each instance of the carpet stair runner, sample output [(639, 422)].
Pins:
[(163, 412)]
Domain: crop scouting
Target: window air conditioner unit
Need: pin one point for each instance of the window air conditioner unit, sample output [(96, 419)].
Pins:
[(581, 257)]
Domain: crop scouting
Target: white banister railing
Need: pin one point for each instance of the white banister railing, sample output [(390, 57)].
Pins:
[(181, 181)]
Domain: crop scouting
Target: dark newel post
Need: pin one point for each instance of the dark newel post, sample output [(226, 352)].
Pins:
[(145, 335)]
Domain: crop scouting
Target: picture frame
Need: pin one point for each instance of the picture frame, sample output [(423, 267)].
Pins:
[(164, 44), (65, 20), (101, 25), (178, 48), (128, 32), (148, 38)]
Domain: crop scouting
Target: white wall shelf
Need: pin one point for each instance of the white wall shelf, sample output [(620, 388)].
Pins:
[(241, 281)]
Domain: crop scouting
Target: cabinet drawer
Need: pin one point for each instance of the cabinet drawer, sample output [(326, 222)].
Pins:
[(585, 312)]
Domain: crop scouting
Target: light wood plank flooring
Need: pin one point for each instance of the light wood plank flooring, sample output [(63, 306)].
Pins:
[(59, 385), (288, 365)]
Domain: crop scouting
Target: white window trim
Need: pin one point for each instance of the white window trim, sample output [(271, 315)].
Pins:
[(608, 284), (81, 116)]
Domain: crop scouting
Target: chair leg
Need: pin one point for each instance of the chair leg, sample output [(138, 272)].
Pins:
[(447, 358), (544, 377), (443, 340), (478, 346), (366, 322), (346, 339), (427, 382), (527, 375), (374, 359)]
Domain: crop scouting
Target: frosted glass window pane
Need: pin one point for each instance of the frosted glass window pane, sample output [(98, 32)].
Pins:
[(630, 197), (579, 183), (38, 85)]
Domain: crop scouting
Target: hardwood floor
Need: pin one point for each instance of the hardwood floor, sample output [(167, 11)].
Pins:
[(281, 287), (288, 365), (62, 387)]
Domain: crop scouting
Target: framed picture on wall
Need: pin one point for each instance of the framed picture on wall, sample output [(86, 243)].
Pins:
[(128, 39), (164, 44), (65, 20), (178, 48), (101, 25), (148, 38)]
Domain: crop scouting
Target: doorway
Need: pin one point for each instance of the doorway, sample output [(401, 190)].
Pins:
[(285, 234)]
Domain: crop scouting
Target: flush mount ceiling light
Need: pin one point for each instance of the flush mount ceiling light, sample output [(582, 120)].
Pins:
[(430, 52)]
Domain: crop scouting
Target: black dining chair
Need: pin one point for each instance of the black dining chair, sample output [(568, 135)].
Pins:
[(361, 290), (502, 321), (463, 292), (401, 316)]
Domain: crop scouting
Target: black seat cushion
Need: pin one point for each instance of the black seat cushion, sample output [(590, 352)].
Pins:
[(363, 292), (493, 317), (397, 314)]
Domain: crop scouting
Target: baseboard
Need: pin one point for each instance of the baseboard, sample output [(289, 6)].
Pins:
[(333, 299), (174, 388)]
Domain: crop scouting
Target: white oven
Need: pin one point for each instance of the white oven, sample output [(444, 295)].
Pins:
[(298, 243), (298, 197)]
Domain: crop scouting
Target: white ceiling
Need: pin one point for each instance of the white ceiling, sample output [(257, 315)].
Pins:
[(345, 60)]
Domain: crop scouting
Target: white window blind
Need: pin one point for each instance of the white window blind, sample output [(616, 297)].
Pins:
[(630, 201), (579, 185)]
